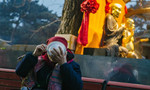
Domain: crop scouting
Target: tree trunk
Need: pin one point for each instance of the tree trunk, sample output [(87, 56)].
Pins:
[(71, 17)]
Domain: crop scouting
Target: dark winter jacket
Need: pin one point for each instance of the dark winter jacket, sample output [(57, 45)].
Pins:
[(70, 73)]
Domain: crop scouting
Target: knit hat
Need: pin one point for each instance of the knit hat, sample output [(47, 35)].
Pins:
[(57, 38)]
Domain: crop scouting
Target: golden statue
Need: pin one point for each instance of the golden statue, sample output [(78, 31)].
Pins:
[(128, 35), (112, 31), (128, 38)]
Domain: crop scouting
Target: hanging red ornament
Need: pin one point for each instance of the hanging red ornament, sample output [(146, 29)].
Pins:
[(126, 10), (89, 6)]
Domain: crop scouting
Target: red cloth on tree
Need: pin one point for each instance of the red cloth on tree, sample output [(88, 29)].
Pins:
[(87, 6)]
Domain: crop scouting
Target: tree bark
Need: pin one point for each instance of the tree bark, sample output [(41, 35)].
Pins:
[(71, 17)]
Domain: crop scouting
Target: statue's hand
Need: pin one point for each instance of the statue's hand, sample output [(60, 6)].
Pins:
[(123, 25)]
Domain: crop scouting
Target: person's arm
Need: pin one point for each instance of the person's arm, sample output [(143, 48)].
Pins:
[(71, 76), (26, 65), (29, 61)]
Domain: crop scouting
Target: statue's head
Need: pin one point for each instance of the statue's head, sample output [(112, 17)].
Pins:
[(116, 9), (130, 24)]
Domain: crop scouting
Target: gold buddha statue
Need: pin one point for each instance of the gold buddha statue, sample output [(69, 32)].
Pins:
[(128, 35), (128, 38), (112, 30)]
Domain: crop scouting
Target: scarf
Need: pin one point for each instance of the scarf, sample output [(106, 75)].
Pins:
[(55, 81)]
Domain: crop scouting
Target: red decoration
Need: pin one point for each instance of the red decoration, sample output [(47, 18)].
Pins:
[(89, 6), (126, 10), (107, 8), (83, 35)]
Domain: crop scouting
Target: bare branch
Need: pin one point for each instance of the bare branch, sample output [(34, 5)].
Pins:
[(43, 27)]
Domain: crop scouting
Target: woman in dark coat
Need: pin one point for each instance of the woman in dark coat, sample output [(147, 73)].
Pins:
[(41, 71)]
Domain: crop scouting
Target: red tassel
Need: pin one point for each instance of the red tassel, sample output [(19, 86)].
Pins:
[(83, 35), (126, 10)]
